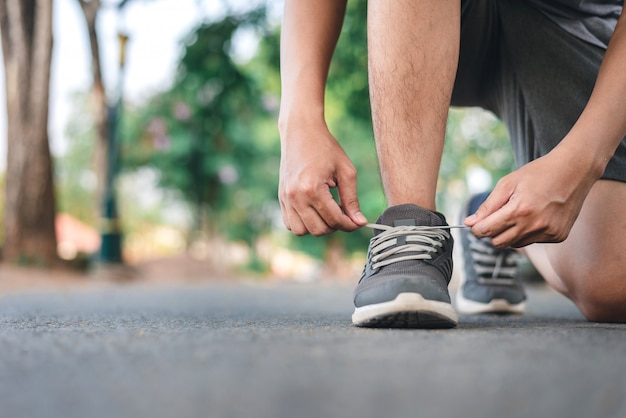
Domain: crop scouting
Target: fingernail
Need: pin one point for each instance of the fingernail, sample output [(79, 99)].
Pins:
[(360, 218)]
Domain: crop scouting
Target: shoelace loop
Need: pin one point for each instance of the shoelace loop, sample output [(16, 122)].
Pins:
[(401, 243)]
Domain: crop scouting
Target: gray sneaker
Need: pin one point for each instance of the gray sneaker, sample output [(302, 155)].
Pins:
[(488, 282), (405, 280)]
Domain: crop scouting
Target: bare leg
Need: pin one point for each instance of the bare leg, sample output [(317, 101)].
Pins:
[(413, 57), (589, 267)]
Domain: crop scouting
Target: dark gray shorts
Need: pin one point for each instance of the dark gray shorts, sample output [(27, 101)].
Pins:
[(532, 74)]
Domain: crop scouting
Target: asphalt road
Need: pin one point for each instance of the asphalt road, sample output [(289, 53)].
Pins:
[(276, 350)]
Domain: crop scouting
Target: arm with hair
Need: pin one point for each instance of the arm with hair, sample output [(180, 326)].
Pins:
[(312, 161)]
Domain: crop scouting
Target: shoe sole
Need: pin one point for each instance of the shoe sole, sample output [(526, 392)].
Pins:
[(407, 310), (499, 306)]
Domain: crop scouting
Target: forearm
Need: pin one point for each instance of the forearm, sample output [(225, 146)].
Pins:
[(602, 124), (310, 31)]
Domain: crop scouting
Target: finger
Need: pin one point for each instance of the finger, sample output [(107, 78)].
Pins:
[(316, 212), (506, 238), (298, 215), (494, 224), (349, 199), (296, 225), (542, 235), (519, 236), (332, 214), (513, 238), (499, 197), (313, 222), (284, 214)]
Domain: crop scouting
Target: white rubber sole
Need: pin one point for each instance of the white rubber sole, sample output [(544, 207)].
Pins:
[(466, 306), (407, 310)]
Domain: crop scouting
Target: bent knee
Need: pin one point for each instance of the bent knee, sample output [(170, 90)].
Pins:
[(599, 303)]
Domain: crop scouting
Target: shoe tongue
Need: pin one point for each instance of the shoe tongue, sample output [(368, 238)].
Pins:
[(410, 215)]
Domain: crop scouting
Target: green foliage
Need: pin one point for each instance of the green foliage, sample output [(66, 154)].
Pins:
[(208, 136), (475, 141), (75, 179), (347, 82)]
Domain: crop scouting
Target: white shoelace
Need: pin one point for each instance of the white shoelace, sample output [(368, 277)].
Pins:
[(411, 242)]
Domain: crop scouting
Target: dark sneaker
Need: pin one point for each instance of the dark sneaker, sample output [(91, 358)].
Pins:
[(408, 269), (488, 282)]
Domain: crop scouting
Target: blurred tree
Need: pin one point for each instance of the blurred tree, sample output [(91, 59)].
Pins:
[(476, 143), (145, 210), (99, 102), (207, 135), (106, 120), (26, 27), (76, 179)]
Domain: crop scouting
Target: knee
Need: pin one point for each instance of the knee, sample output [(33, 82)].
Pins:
[(603, 301)]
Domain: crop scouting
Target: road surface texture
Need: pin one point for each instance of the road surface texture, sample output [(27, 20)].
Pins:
[(251, 349)]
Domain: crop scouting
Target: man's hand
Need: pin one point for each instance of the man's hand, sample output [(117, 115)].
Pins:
[(537, 203), (540, 201), (308, 170)]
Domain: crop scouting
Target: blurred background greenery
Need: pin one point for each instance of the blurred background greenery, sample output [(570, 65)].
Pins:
[(199, 160)]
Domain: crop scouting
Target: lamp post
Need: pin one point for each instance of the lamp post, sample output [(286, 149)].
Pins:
[(111, 247)]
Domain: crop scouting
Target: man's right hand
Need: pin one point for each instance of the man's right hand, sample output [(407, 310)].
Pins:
[(313, 162)]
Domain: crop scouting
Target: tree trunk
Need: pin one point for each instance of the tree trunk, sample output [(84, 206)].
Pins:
[(26, 27), (98, 96)]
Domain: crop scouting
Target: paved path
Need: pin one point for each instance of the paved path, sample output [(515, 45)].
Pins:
[(271, 350)]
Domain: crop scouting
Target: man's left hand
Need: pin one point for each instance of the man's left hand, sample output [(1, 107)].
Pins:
[(539, 202)]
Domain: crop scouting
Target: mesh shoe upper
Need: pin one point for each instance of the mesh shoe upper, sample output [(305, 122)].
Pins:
[(410, 254), (489, 272)]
